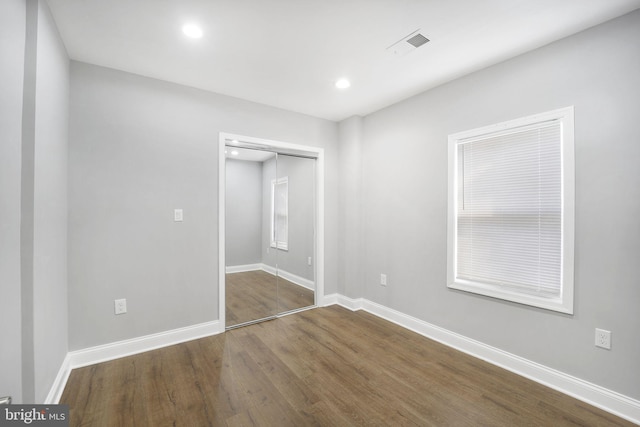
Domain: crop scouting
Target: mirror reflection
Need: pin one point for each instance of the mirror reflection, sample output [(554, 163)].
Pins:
[(270, 232)]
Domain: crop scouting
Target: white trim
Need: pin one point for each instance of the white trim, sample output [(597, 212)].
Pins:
[(331, 299), (300, 281), (222, 184), (268, 269), (55, 393), (115, 350), (319, 213), (243, 268), (508, 126), (346, 302), (564, 302), (605, 399)]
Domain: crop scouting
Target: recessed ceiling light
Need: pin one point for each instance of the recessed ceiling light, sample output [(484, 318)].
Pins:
[(192, 30), (343, 83)]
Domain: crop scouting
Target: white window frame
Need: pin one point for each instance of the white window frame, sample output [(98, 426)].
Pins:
[(275, 234), (564, 302)]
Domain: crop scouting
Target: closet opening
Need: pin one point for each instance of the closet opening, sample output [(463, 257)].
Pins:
[(270, 225)]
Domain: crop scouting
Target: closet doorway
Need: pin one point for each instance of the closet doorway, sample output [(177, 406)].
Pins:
[(270, 228)]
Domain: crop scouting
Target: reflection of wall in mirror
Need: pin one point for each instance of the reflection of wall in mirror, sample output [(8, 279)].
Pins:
[(301, 181), (249, 209), (243, 212), (280, 213)]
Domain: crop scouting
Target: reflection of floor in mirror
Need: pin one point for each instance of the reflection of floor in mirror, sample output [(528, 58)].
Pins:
[(253, 295)]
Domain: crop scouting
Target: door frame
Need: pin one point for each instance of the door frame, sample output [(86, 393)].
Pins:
[(319, 211)]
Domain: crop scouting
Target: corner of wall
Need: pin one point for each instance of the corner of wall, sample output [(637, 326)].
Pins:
[(350, 149)]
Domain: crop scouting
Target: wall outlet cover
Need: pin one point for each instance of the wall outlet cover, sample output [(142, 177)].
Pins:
[(120, 306), (603, 339)]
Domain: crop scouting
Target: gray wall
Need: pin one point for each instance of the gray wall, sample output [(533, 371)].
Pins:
[(405, 202), (138, 149), (243, 216), (248, 213), (12, 42), (50, 205), (301, 177), (350, 273), (33, 211)]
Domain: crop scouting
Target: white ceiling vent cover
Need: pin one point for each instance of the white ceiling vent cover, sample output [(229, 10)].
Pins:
[(408, 44)]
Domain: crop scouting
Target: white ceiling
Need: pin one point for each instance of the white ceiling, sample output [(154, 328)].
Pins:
[(289, 53)]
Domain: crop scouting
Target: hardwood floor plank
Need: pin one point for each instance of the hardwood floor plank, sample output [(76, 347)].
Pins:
[(278, 373), (327, 366), (288, 345), (321, 414), (253, 295)]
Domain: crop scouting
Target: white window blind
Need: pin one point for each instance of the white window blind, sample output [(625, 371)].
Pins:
[(509, 234), (510, 210), (280, 213)]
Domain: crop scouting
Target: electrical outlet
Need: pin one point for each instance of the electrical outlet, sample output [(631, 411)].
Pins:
[(120, 306), (603, 339), (383, 279), (309, 261)]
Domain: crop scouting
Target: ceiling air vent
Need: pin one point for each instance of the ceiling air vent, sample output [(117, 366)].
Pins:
[(417, 40), (408, 44)]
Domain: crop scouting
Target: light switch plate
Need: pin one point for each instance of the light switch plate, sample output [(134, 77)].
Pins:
[(177, 215)]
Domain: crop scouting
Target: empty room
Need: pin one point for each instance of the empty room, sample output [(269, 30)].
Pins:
[(304, 212)]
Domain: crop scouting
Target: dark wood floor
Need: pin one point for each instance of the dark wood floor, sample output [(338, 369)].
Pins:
[(327, 367), (254, 295)]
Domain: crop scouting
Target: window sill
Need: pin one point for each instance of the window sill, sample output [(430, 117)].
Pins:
[(547, 303)]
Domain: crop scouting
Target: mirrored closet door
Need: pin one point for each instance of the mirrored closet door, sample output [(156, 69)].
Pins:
[(270, 234)]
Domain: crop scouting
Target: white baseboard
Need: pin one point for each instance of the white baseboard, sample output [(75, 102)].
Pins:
[(59, 383), (327, 300), (116, 350), (243, 268), (103, 353), (346, 302), (608, 400), (300, 281)]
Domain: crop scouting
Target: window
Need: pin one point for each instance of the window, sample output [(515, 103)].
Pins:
[(280, 213), (511, 211)]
